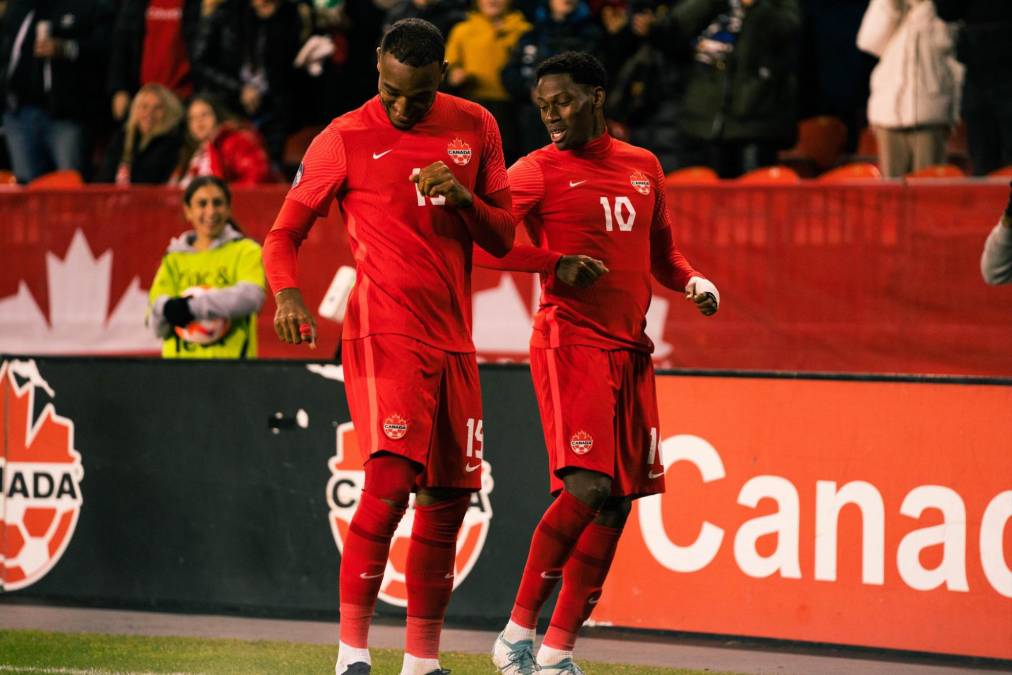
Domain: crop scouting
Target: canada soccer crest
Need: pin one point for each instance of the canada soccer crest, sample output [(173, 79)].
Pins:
[(40, 475), (395, 427), (640, 182), (459, 151), (347, 478), (581, 442)]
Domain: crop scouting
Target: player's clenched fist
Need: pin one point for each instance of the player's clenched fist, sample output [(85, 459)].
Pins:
[(436, 180), (702, 292), (292, 321), (579, 270)]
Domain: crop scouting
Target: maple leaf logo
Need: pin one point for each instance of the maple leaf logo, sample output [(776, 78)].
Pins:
[(459, 151), (79, 319), (640, 182)]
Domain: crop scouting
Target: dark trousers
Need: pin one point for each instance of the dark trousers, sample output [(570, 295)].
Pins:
[(729, 159), (987, 110)]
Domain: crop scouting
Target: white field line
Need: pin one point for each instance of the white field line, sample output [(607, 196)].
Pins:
[(8, 668)]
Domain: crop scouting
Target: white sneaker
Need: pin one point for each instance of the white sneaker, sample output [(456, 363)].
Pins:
[(563, 667), (514, 658)]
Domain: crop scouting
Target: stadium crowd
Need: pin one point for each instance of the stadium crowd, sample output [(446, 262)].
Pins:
[(162, 91)]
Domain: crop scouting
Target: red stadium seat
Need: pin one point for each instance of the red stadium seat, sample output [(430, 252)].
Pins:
[(771, 175), (7, 178), (938, 171), (297, 144), (858, 171), (1004, 172), (867, 144), (67, 178), (820, 139), (692, 175)]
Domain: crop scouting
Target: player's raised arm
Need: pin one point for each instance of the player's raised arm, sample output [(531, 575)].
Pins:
[(321, 173), (668, 265)]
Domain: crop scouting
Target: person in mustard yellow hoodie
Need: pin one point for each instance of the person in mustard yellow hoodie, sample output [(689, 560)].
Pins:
[(207, 291), (477, 50)]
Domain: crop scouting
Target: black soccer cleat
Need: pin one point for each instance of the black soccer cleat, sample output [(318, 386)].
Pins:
[(358, 668)]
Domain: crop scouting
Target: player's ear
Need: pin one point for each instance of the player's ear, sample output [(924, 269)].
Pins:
[(442, 70), (599, 98), (378, 55)]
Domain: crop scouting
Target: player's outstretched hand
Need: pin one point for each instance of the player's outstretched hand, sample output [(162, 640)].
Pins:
[(702, 292), (292, 321), (579, 270), (436, 180)]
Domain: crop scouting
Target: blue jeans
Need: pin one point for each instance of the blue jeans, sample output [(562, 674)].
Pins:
[(39, 143)]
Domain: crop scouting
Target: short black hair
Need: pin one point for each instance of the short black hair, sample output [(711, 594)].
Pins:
[(414, 42), (584, 68)]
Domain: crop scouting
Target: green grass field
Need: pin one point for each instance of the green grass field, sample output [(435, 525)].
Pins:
[(85, 653)]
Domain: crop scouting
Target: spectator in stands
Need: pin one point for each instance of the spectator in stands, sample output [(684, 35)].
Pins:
[(914, 87), (739, 104), (443, 14), (245, 51), (982, 45), (996, 261), (153, 41), (47, 52), (559, 26), (146, 148), (211, 274), (645, 89), (477, 50), (218, 146)]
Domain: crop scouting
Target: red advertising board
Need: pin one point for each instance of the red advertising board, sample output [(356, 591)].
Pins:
[(860, 513)]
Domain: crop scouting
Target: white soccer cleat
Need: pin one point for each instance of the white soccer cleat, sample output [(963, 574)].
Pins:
[(514, 658), (563, 667)]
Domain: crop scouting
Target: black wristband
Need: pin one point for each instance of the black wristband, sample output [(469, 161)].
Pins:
[(177, 312)]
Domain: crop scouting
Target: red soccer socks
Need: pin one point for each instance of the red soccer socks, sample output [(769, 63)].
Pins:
[(583, 577), (363, 562), (429, 573), (553, 541)]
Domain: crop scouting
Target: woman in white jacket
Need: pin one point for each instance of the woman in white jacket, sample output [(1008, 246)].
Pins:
[(915, 86)]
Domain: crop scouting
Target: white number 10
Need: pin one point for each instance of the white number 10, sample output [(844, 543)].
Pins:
[(625, 221)]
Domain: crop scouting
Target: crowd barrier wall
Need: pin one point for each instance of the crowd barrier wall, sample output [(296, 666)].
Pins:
[(837, 510), (856, 278)]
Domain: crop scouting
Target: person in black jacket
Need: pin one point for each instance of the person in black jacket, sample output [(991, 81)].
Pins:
[(982, 45), (146, 149), (245, 52), (49, 51), (164, 57)]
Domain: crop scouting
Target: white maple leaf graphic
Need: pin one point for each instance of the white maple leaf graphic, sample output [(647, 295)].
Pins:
[(79, 319), (502, 321)]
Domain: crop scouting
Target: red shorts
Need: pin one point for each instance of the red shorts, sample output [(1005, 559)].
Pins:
[(599, 412), (419, 402)]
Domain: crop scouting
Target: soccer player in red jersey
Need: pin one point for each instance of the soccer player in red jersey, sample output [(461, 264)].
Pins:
[(594, 208), (419, 178)]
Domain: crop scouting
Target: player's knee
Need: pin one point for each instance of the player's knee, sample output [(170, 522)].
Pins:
[(390, 477), (591, 488), (614, 512)]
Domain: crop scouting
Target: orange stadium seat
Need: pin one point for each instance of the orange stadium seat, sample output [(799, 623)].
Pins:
[(867, 144), (858, 171), (1004, 172), (771, 175), (67, 178), (938, 171), (7, 178), (820, 139), (692, 175)]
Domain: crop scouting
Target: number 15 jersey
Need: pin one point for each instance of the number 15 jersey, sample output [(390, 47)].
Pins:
[(606, 200)]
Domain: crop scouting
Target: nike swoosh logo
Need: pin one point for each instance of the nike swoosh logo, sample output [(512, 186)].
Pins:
[(377, 155), (574, 183), (546, 575), (470, 468), (653, 475), (449, 575), (371, 576), (593, 601)]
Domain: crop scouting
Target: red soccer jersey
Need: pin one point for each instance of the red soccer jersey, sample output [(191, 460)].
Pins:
[(412, 253), (605, 200)]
